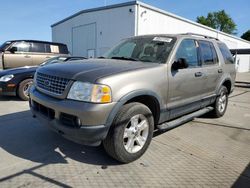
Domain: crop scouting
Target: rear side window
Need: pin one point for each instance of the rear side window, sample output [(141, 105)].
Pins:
[(63, 49), (56, 49), (188, 51), (228, 58), (38, 47), (208, 53)]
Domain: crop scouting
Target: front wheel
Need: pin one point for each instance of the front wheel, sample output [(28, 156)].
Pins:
[(23, 89), (220, 104), (131, 133)]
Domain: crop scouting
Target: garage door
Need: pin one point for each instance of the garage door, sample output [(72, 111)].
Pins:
[(84, 40)]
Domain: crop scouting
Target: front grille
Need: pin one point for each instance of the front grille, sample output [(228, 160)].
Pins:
[(52, 84)]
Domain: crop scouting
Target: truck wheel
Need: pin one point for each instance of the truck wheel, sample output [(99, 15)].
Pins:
[(23, 89), (131, 133), (220, 104)]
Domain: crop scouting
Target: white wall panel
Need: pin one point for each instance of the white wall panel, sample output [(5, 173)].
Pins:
[(111, 26)]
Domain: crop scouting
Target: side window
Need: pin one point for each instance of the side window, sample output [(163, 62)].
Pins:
[(22, 46), (54, 49), (208, 53), (215, 55), (63, 49), (38, 47), (188, 51), (47, 48), (228, 58)]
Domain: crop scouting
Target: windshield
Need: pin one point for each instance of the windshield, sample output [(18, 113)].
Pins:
[(145, 49), (4, 45)]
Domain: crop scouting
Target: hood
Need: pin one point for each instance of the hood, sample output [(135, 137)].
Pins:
[(92, 69), (19, 70)]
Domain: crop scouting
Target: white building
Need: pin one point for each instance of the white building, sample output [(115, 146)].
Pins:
[(92, 32)]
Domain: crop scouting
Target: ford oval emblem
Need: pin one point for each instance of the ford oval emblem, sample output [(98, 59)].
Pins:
[(47, 83)]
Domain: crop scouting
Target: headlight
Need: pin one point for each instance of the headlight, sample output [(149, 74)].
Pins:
[(96, 93), (6, 78)]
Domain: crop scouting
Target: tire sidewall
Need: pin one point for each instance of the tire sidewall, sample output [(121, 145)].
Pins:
[(218, 113), (121, 124), (20, 89)]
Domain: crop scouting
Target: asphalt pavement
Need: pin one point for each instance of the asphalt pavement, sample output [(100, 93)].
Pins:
[(202, 153)]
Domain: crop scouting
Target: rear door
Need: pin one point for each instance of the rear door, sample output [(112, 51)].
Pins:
[(19, 58), (42, 51), (186, 85), (211, 69)]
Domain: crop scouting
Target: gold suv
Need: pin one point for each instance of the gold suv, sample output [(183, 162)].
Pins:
[(20, 53)]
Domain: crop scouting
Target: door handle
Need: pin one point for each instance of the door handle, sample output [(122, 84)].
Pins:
[(198, 74), (27, 56), (220, 70)]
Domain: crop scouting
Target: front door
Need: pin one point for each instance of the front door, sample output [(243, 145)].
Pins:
[(185, 85), (21, 57)]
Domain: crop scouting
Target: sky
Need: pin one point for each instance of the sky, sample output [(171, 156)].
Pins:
[(30, 19)]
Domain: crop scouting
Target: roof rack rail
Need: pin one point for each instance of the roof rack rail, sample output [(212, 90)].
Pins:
[(200, 35)]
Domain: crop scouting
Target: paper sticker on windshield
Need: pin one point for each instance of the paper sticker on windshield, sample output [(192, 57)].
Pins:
[(162, 39)]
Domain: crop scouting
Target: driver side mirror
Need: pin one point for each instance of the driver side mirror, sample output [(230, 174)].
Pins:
[(181, 63), (13, 49)]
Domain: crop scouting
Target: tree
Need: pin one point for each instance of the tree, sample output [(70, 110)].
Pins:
[(219, 20), (246, 35)]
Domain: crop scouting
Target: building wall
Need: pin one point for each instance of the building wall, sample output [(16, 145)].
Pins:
[(152, 20), (93, 33), (111, 26)]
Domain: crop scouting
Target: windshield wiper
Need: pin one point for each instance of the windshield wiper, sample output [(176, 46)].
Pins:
[(124, 58)]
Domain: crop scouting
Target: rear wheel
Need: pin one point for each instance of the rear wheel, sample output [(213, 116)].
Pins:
[(131, 133), (220, 104), (23, 89)]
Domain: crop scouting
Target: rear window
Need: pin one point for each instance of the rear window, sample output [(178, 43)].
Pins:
[(228, 58), (208, 53)]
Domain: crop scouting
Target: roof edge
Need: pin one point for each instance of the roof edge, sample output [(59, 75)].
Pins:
[(97, 9)]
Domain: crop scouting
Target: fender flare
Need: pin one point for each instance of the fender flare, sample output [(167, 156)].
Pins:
[(222, 82), (128, 97)]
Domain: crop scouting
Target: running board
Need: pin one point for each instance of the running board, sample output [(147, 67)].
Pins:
[(184, 119)]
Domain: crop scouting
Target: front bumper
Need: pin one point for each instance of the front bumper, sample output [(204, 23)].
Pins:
[(6, 90), (81, 122)]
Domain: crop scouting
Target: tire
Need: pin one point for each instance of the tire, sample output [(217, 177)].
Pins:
[(125, 142), (23, 89), (220, 104)]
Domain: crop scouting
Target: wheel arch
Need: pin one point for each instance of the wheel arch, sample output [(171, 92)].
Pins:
[(227, 82), (21, 80), (148, 98)]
